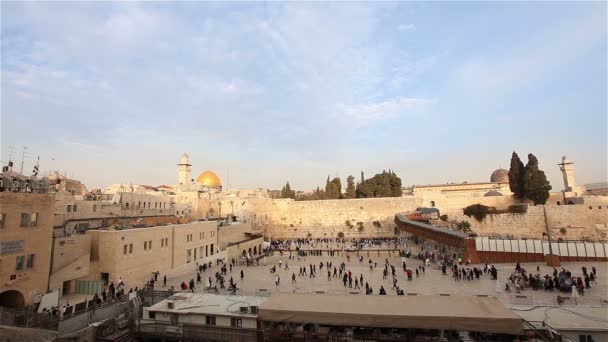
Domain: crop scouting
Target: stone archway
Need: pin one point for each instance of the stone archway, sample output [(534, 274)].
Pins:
[(244, 253), (12, 299), (255, 250), (249, 250)]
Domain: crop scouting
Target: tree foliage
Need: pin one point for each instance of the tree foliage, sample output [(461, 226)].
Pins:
[(286, 191), (350, 187), (535, 183), (333, 188), (385, 184), (478, 211), (516, 176)]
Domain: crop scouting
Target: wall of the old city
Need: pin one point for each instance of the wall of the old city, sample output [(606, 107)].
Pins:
[(286, 218), (579, 221)]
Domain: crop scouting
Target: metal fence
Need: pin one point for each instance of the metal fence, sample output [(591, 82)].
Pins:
[(27, 319)]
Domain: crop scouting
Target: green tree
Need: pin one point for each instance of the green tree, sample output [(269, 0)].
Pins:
[(516, 176), (385, 184), (535, 183), (286, 191), (350, 187), (333, 188)]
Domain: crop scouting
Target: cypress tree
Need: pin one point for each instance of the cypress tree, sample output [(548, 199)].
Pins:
[(516, 176), (350, 187), (535, 183)]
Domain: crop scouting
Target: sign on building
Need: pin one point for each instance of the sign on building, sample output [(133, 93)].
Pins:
[(11, 247)]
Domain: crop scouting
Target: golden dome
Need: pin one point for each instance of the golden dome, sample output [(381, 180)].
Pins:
[(209, 179)]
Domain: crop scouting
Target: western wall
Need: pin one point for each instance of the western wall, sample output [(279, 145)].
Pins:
[(287, 218)]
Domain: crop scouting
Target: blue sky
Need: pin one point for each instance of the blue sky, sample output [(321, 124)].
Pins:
[(269, 92)]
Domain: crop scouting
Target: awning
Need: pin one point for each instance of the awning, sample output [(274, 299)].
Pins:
[(482, 314)]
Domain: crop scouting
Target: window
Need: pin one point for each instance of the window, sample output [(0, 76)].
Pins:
[(585, 338), (127, 205), (30, 261), (75, 207), (149, 205), (599, 207), (211, 249), (149, 244), (194, 253), (145, 245), (144, 204), (590, 207), (236, 322), (210, 320), (69, 208), (152, 314), (200, 236), (2, 219), (19, 263), (130, 248), (200, 251), (203, 234), (433, 204), (34, 220), (188, 255), (124, 249), (207, 250), (25, 219)]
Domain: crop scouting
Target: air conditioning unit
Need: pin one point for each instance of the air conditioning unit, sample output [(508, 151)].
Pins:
[(170, 305), (253, 310), (244, 309)]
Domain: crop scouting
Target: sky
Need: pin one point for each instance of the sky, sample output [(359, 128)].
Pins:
[(264, 93)]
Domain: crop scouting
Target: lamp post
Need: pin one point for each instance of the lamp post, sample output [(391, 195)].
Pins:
[(552, 260)]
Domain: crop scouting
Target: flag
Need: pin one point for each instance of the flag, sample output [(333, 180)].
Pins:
[(36, 167)]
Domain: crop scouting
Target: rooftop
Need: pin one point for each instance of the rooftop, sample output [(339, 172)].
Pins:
[(206, 303), (484, 314), (584, 318)]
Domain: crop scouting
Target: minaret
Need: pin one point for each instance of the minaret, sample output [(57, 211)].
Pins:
[(567, 169), (183, 173)]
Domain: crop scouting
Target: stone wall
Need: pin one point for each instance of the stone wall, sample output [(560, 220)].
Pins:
[(579, 221), (71, 260), (232, 234), (286, 218)]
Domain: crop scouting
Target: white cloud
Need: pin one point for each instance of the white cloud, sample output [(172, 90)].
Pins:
[(407, 27), (367, 113)]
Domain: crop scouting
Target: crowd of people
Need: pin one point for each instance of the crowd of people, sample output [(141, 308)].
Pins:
[(563, 281), (340, 270)]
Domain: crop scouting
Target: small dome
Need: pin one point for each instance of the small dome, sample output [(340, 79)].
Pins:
[(500, 176), (492, 193), (184, 159), (209, 179)]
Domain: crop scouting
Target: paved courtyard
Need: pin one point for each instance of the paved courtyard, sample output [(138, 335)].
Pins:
[(432, 282)]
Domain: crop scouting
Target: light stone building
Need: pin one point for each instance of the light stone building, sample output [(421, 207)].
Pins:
[(135, 254), (26, 230), (206, 309)]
